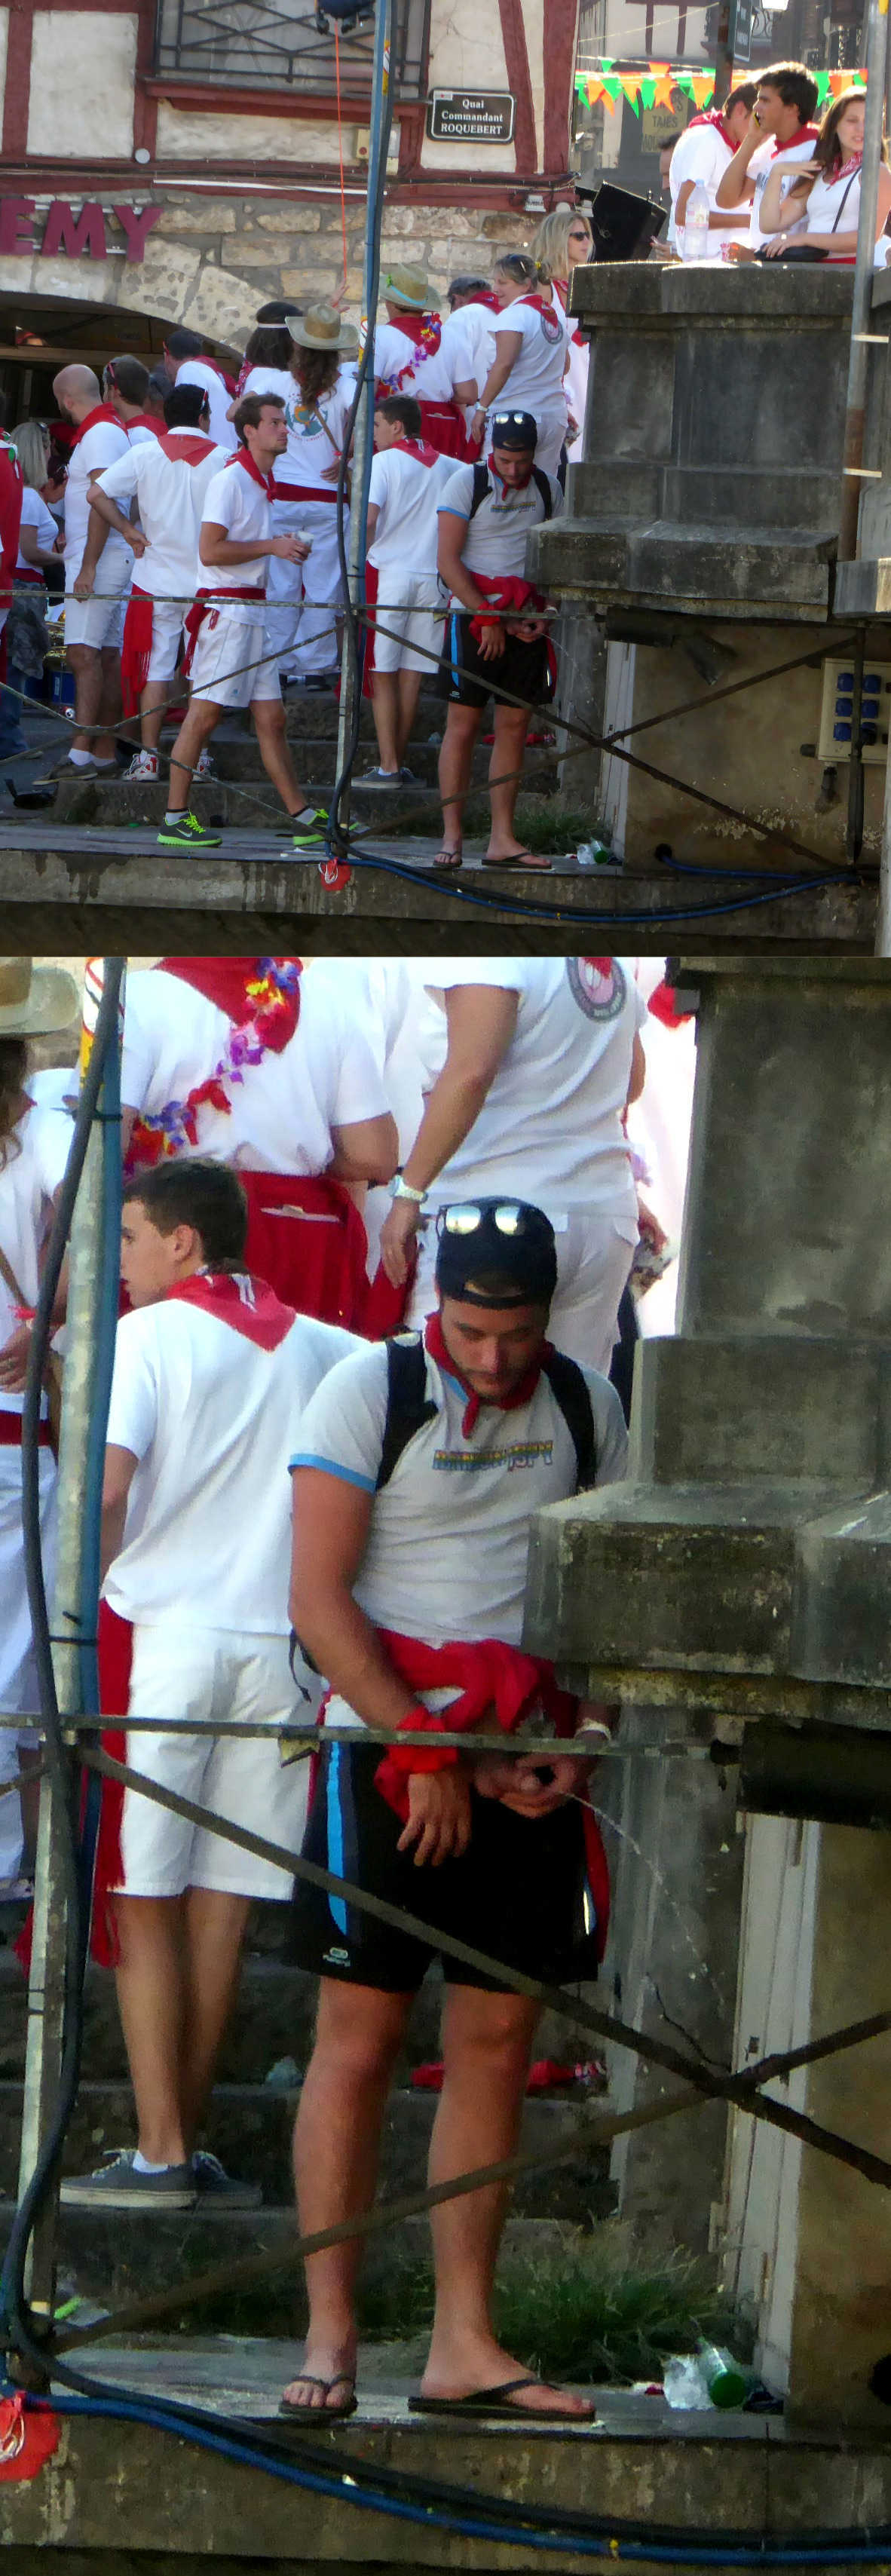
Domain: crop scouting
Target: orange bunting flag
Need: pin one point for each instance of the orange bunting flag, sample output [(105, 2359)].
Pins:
[(839, 81), (664, 80), (702, 85), (630, 85)]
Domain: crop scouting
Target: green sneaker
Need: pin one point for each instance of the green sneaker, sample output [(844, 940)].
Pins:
[(310, 827), (188, 834)]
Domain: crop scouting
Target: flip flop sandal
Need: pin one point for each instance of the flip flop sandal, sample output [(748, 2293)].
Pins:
[(446, 860), (529, 859), (495, 2401), (321, 2414)]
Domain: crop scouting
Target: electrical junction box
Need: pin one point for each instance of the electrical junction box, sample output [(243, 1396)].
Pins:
[(837, 711)]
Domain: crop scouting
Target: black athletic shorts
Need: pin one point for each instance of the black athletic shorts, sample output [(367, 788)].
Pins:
[(518, 1893), (467, 680)]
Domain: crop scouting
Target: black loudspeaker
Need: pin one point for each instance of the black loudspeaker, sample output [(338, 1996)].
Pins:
[(623, 225)]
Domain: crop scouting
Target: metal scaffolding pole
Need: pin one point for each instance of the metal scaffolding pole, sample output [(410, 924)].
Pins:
[(363, 435), (77, 1547), (852, 459)]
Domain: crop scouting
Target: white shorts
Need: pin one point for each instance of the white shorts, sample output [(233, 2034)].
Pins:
[(167, 636), (211, 1673), (594, 1256), (98, 622), (410, 636), (232, 663)]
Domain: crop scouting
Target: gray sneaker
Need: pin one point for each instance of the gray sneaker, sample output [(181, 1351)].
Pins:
[(115, 2185), (217, 2189)]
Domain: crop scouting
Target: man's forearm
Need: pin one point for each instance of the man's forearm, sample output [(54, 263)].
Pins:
[(734, 179), (462, 584), (112, 1537), (233, 550), (97, 535), (455, 1101), (348, 1651)]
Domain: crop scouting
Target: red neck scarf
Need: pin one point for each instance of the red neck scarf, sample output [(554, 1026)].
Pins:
[(846, 169), (185, 446), (245, 988), (435, 1343), (419, 447), (714, 116), (266, 483), (802, 134), (236, 1299), (101, 411), (141, 420), (538, 303), (424, 329)]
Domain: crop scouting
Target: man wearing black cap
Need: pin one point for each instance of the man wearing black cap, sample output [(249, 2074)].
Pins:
[(496, 638), (420, 1466)]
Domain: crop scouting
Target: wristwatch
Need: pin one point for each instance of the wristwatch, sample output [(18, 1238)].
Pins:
[(400, 1189)]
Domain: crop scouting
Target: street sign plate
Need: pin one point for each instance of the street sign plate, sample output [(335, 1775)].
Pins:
[(470, 116)]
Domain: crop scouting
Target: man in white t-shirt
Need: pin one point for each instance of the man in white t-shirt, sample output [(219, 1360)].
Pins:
[(94, 612), (699, 159), (779, 127), (473, 308), (417, 1475), (248, 1060), (496, 639), (543, 1056), (232, 665), (184, 353), (408, 480), (417, 353), (167, 474), (125, 384), (211, 1377)]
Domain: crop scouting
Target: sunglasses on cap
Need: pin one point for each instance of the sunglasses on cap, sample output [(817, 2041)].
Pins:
[(509, 1218)]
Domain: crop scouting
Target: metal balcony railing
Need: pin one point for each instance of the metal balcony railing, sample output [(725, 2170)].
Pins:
[(285, 44)]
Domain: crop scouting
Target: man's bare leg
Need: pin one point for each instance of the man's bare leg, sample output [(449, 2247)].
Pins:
[(455, 760), (155, 698), (336, 2148), (268, 716), (409, 693), (215, 1923), (385, 710), (487, 2043), (196, 729), (85, 665), (151, 1988), (110, 701), (505, 768)]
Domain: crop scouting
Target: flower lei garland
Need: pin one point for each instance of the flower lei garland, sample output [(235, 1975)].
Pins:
[(275, 989), (425, 346)]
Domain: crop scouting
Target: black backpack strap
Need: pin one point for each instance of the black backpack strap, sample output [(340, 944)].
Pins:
[(542, 485), (567, 1385), (480, 488), (408, 1404)]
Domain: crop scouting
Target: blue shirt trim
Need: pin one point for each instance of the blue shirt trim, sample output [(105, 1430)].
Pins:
[(330, 1467)]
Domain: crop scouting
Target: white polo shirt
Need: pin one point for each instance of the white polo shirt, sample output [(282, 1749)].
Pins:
[(29, 1178), (102, 445), (497, 532), (550, 1128), (170, 494), (234, 501), (212, 1419), (284, 1109), (195, 371), (408, 494), (792, 156), (448, 1542)]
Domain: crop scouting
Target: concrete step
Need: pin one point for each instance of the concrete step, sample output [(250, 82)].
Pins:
[(250, 2127), (125, 804)]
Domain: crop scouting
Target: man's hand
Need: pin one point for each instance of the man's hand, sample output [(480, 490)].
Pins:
[(398, 1234), (476, 426), (292, 549), (14, 1360), (491, 638), (137, 543), (516, 1784), (439, 1816), (83, 584)]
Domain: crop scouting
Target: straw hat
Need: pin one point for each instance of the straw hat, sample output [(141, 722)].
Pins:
[(408, 287), (322, 329), (35, 1001)]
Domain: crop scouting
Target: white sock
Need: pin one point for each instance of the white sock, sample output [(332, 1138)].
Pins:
[(81, 760), (141, 2165)]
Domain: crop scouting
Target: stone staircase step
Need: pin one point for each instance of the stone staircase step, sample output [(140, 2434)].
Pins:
[(221, 802), (250, 2127)]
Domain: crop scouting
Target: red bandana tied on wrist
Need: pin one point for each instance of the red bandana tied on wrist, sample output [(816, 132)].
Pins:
[(486, 1675)]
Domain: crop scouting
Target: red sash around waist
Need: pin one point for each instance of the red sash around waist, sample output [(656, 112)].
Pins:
[(136, 648), (28, 572), (306, 1237), (304, 492), (11, 1431), (203, 602), (443, 426)]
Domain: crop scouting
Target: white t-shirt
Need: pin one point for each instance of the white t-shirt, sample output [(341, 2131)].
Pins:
[(285, 1108), (792, 156), (472, 343), (234, 501), (550, 1128), (100, 446), (535, 382), (29, 1179), (449, 1536), (408, 494), (36, 515), (170, 495), (497, 532), (315, 430), (834, 203), (702, 156), (139, 435), (195, 371), (212, 1419), (429, 378)]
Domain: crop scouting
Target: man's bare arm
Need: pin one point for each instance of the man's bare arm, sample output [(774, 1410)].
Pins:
[(120, 1469)]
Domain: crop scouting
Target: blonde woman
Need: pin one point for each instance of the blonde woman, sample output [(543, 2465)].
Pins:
[(564, 241), (532, 338)]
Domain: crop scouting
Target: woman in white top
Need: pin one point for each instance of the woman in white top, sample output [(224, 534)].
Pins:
[(564, 241), (532, 338), (25, 626), (34, 1144), (303, 600), (821, 209)]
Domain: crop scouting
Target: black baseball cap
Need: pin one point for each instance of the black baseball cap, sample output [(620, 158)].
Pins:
[(514, 429), (496, 1252)]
